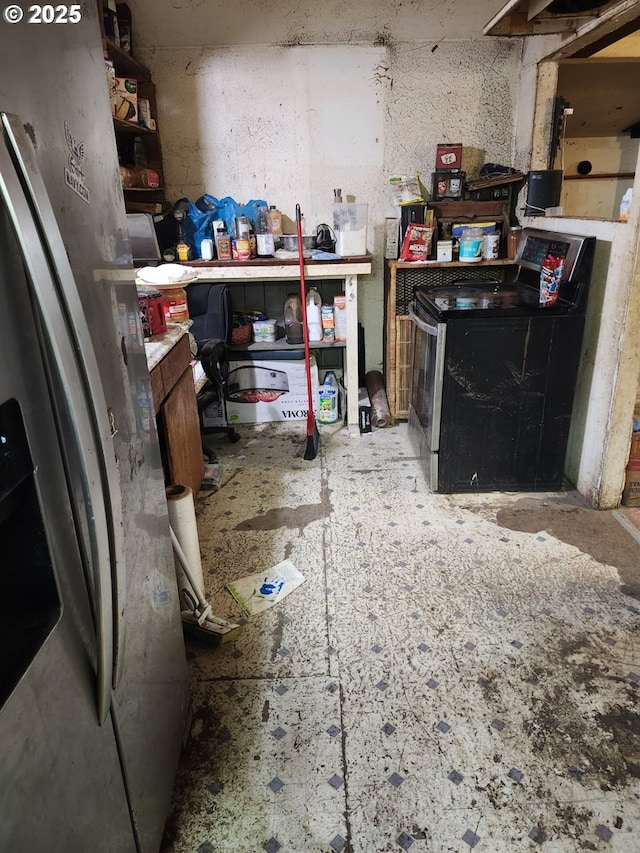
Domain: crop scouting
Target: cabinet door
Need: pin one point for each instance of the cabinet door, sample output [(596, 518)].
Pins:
[(182, 434)]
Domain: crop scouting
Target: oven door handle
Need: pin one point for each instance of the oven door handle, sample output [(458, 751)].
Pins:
[(428, 328)]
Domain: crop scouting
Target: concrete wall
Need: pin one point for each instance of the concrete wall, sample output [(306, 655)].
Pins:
[(295, 103)]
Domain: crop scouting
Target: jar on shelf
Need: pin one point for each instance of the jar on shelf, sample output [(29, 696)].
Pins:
[(513, 239), (176, 309)]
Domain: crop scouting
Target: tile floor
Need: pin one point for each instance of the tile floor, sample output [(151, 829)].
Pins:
[(458, 672)]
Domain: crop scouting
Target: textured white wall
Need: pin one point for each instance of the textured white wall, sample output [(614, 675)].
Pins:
[(185, 23), (288, 124)]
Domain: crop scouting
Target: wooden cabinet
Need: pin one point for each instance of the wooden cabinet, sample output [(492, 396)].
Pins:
[(449, 212), (176, 409)]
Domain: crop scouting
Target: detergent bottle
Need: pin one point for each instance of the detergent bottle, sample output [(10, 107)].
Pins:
[(328, 399), (314, 318)]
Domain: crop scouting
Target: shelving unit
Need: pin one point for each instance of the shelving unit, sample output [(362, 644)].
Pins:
[(260, 285), (137, 199), (400, 279)]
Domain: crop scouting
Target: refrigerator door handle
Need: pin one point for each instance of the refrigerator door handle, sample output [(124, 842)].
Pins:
[(75, 366)]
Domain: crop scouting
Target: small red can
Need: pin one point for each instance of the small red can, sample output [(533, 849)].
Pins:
[(152, 313)]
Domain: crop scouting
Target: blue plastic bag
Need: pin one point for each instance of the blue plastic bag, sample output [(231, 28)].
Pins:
[(229, 209), (203, 212), (199, 216)]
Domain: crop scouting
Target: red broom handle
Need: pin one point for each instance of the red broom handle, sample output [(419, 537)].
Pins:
[(303, 297)]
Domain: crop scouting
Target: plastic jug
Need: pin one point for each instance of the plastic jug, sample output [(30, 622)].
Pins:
[(293, 319), (328, 399), (314, 318)]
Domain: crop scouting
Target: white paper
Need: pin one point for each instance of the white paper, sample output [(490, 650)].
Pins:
[(258, 592)]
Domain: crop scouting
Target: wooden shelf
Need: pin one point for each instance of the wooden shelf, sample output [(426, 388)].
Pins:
[(282, 345), (143, 189), (125, 64), (600, 176), (122, 126), (413, 265)]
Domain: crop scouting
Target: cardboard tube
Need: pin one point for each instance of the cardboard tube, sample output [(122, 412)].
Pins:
[(380, 412), (182, 518)]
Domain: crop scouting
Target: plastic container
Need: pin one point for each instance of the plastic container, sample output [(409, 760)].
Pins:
[(513, 239), (340, 316), (264, 331), (293, 319), (265, 243), (350, 226), (206, 250), (625, 204), (490, 247), (275, 218), (314, 315), (176, 309), (471, 245), (328, 399)]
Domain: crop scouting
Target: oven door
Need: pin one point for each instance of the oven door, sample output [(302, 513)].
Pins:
[(425, 399), (427, 372)]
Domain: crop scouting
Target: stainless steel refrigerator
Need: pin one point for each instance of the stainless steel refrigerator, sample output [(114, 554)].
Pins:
[(93, 687)]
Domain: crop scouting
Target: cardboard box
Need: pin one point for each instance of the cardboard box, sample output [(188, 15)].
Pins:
[(391, 237), (448, 156), (631, 493), (634, 452), (275, 390), (125, 99), (364, 410)]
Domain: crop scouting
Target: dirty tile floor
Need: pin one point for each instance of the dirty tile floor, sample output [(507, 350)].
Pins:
[(458, 672)]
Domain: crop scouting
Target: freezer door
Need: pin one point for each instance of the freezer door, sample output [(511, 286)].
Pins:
[(53, 77), (57, 763)]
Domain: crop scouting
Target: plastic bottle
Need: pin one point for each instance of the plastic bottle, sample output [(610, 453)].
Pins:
[(276, 221), (265, 244), (223, 243), (314, 315), (241, 246), (625, 204), (206, 250), (293, 319), (328, 399)]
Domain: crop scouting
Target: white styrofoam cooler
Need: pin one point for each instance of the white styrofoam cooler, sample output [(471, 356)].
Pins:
[(261, 391)]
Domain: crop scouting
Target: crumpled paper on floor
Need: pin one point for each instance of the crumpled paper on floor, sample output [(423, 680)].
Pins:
[(261, 591)]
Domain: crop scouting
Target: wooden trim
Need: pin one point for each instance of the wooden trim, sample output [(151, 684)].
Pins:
[(600, 176)]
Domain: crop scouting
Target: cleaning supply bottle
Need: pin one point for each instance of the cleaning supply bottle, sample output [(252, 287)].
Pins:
[(328, 399), (314, 317)]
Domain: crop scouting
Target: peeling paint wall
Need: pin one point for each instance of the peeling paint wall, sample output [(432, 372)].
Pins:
[(289, 124)]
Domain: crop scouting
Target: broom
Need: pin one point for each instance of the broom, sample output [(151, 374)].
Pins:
[(313, 436)]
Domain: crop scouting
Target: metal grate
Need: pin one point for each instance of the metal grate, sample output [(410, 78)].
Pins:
[(408, 280)]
